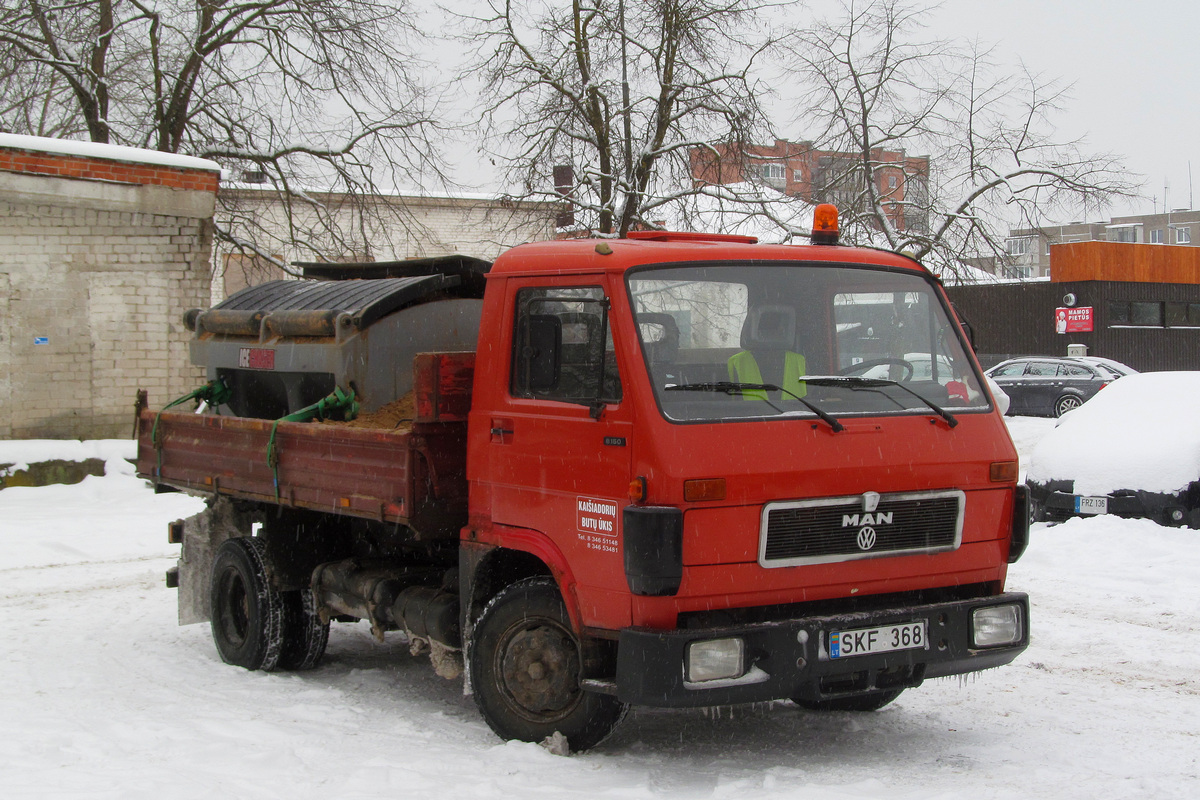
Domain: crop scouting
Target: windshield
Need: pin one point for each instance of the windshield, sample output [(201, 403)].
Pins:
[(728, 341)]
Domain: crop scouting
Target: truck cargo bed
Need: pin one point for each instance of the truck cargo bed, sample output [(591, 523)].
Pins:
[(415, 476)]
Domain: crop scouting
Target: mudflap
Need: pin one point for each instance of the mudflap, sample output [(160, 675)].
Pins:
[(203, 533)]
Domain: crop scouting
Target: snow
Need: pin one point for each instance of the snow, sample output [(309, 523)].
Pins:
[(104, 696), (112, 152), (1122, 437)]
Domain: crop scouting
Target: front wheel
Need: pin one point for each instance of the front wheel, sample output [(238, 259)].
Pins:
[(872, 701), (1068, 402), (526, 669), (247, 613)]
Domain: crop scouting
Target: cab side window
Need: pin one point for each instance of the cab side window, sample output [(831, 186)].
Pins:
[(562, 347)]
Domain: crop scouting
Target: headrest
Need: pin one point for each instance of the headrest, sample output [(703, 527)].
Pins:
[(769, 327), (660, 334), (658, 326)]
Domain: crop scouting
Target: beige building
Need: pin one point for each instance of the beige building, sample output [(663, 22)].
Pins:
[(102, 248), (394, 227)]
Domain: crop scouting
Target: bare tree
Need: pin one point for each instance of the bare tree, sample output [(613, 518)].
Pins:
[(878, 87), (300, 96), (619, 92)]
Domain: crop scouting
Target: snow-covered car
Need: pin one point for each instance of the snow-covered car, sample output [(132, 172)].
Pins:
[(1050, 387), (1133, 451)]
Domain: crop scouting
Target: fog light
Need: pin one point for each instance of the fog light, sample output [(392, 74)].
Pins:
[(715, 659), (995, 626)]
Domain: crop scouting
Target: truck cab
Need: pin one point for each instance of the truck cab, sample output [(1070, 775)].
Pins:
[(730, 470)]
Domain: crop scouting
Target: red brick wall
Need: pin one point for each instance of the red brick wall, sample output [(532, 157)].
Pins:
[(68, 166)]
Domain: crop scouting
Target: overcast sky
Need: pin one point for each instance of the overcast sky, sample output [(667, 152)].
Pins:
[(1133, 68)]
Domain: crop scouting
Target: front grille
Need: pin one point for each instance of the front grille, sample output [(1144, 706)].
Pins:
[(840, 528)]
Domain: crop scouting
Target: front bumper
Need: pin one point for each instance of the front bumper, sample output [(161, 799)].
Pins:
[(790, 658)]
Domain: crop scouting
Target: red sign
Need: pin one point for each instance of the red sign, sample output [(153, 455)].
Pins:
[(256, 358), (1073, 320)]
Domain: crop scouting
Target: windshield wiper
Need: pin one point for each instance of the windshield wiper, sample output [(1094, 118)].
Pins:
[(730, 387), (858, 382)]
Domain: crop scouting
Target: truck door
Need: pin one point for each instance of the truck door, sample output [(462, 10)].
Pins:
[(560, 440)]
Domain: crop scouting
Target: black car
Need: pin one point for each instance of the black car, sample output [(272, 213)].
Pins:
[(1050, 387)]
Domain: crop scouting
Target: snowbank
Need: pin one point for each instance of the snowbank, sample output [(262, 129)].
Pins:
[(20, 454), (1139, 432)]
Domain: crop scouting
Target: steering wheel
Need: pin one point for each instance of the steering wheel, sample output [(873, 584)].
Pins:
[(863, 366)]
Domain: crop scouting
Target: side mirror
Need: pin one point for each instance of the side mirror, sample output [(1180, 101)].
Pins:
[(967, 328)]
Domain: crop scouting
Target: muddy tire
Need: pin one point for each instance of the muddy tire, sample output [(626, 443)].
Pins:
[(525, 664), (873, 701), (247, 614), (304, 634)]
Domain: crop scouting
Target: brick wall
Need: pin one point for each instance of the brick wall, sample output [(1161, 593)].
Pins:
[(95, 274)]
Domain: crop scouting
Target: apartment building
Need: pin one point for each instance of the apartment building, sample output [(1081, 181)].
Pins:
[(1028, 249), (799, 169)]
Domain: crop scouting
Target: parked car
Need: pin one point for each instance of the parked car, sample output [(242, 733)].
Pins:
[(1115, 367), (1133, 451), (1050, 387)]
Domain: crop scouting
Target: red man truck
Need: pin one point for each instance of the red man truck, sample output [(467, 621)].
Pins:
[(672, 470)]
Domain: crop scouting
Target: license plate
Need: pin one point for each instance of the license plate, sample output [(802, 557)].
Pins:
[(1091, 505), (884, 639)]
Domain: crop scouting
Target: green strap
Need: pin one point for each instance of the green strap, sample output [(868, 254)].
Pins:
[(215, 393), (338, 403)]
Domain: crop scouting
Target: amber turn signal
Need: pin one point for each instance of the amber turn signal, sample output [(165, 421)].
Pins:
[(695, 491), (1003, 471)]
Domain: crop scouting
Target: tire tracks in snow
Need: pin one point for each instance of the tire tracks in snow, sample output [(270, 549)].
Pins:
[(53, 580)]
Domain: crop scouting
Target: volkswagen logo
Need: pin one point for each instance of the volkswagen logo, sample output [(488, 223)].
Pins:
[(866, 538)]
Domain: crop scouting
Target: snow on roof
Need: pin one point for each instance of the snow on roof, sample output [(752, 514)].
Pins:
[(1139, 432), (112, 152)]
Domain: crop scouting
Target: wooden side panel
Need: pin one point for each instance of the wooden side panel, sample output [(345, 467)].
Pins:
[(359, 472), (1118, 261)]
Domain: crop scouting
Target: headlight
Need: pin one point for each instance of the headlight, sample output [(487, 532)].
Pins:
[(994, 626), (715, 659)]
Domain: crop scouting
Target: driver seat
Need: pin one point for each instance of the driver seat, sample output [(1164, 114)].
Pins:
[(768, 335)]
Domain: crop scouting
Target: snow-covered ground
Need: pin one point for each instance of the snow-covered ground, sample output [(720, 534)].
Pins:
[(103, 696)]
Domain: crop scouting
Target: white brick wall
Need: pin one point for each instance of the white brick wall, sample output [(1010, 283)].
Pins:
[(107, 290)]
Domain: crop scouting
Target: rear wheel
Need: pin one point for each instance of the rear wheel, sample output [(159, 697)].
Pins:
[(304, 634), (247, 614), (1068, 402), (872, 701), (526, 669)]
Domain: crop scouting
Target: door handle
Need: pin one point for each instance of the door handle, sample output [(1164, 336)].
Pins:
[(502, 431)]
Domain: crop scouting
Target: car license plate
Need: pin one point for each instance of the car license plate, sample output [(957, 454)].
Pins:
[(1091, 505), (884, 639)]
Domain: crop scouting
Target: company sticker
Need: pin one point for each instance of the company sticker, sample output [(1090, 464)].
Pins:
[(596, 520), (256, 358)]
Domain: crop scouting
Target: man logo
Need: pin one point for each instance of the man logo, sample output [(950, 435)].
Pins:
[(866, 538)]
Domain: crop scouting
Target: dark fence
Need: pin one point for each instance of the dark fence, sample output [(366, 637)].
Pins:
[(1149, 326)]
